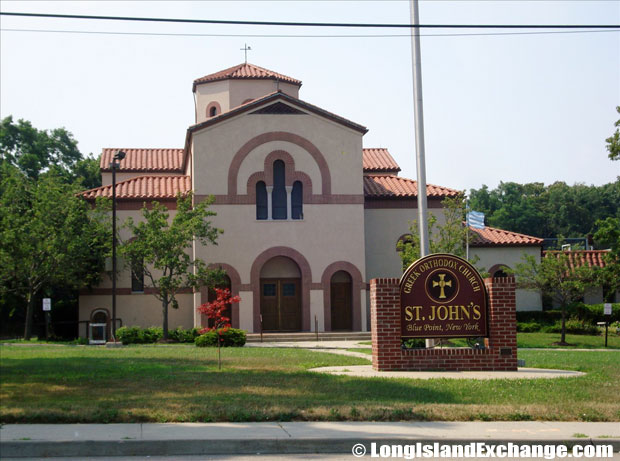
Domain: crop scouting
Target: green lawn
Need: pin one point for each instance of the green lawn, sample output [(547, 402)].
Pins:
[(55, 384)]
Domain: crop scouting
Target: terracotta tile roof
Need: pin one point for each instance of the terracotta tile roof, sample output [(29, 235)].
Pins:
[(580, 258), (245, 71), (379, 160), (145, 160), (144, 187), (391, 186), (490, 236)]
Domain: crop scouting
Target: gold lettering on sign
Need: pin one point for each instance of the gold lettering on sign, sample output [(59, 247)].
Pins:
[(409, 313)]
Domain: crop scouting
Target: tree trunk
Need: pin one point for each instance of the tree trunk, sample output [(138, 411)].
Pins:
[(164, 307), (29, 315), (563, 338)]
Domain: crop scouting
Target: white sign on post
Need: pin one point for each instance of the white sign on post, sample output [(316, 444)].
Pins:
[(47, 304), (607, 308)]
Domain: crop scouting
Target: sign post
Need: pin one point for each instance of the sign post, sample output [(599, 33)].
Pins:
[(47, 307), (607, 311)]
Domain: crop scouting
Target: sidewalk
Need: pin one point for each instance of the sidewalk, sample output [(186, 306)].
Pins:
[(82, 440)]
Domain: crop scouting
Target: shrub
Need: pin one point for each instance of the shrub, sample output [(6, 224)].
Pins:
[(593, 313), (573, 326), (528, 327), (230, 338), (413, 343), (129, 335), (152, 335), (184, 336)]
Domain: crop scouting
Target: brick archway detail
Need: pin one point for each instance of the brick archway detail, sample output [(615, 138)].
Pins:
[(235, 282), (291, 175), (306, 281), (264, 138), (498, 267), (218, 109), (357, 284)]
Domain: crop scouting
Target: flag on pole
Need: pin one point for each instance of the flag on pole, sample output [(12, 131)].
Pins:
[(475, 219)]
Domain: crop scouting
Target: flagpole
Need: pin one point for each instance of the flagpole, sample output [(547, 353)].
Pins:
[(466, 228)]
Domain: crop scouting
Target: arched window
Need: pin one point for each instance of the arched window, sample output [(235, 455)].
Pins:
[(297, 200), (278, 197), (213, 111), (261, 200)]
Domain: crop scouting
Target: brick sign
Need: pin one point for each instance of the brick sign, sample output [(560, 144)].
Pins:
[(442, 296)]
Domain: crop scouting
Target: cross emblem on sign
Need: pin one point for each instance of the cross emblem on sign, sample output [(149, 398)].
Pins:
[(442, 284)]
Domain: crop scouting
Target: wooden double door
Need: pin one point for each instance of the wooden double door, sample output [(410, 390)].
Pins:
[(341, 306), (280, 304)]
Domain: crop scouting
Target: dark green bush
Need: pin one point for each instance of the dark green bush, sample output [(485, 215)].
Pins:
[(528, 327), (184, 336), (573, 326), (129, 335), (593, 313), (413, 343), (230, 338), (152, 335)]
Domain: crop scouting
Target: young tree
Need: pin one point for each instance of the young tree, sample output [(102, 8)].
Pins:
[(48, 235), (215, 311), (161, 248), (450, 237), (556, 277)]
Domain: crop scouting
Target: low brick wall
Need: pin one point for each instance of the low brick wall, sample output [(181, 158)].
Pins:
[(500, 353)]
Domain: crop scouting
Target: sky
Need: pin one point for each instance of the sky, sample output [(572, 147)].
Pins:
[(524, 108)]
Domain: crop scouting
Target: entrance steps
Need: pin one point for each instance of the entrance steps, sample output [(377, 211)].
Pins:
[(306, 336)]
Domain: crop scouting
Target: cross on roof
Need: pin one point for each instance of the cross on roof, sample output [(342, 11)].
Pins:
[(245, 49)]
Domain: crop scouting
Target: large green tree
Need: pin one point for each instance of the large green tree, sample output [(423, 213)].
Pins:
[(613, 142), (35, 151), (554, 276), (556, 210), (48, 236), (160, 250)]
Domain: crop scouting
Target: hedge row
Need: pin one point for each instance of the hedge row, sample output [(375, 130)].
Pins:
[(581, 319), (137, 335), (229, 338)]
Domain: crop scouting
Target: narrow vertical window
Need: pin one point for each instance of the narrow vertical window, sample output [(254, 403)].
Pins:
[(137, 276), (297, 200), (279, 191), (213, 111), (261, 200)]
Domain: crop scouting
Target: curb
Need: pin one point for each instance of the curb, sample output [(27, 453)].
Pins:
[(179, 447)]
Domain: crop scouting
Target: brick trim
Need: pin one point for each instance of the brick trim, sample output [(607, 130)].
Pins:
[(400, 202), (306, 282), (264, 138), (357, 284), (340, 199)]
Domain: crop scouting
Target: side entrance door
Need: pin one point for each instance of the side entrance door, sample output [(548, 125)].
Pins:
[(280, 304), (342, 313)]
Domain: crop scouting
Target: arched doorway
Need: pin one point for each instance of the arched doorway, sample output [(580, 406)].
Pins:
[(280, 295), (212, 296), (341, 301), (99, 328)]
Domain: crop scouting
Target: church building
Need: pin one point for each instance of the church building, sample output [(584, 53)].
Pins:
[(309, 214)]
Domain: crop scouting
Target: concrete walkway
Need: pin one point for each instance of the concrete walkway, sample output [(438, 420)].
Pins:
[(366, 371), (81, 440)]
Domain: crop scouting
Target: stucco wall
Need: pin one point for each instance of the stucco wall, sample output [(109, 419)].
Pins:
[(510, 256), (214, 148), (140, 310), (232, 93), (383, 228)]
